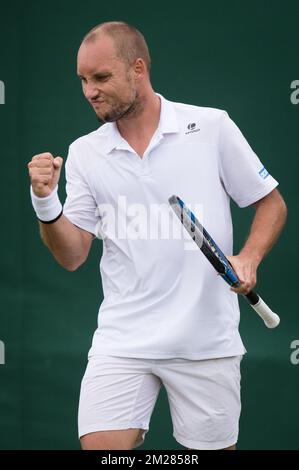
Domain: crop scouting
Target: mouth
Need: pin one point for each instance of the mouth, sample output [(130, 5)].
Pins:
[(97, 103)]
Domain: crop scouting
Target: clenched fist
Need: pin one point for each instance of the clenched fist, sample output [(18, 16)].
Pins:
[(44, 172)]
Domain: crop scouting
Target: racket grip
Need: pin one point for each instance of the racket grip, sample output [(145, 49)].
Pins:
[(270, 318)]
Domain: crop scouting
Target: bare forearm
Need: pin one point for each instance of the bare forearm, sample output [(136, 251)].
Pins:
[(269, 219), (65, 241), (69, 244)]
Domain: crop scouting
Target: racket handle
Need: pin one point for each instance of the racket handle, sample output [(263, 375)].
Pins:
[(270, 318)]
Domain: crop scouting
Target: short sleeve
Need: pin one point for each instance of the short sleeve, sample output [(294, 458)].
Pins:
[(243, 175), (80, 206)]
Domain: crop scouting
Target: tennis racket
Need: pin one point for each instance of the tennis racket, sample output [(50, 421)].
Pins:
[(215, 256)]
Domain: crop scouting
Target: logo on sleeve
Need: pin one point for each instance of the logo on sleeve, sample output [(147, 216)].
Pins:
[(192, 127), (263, 173)]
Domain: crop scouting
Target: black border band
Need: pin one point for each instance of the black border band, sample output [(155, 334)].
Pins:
[(50, 221)]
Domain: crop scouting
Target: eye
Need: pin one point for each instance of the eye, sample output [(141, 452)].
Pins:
[(102, 78)]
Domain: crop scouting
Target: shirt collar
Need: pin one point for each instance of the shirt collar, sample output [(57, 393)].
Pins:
[(168, 124)]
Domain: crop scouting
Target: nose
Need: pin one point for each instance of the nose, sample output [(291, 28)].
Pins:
[(91, 92)]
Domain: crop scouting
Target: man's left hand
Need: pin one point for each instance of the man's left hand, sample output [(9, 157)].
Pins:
[(246, 270)]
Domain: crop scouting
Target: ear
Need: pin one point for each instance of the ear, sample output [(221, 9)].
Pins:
[(139, 68)]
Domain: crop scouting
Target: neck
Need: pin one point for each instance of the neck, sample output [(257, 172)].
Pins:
[(144, 121)]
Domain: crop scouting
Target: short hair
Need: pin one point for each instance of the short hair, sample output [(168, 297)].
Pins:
[(129, 42)]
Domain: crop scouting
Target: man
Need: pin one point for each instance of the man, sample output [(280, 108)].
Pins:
[(166, 318)]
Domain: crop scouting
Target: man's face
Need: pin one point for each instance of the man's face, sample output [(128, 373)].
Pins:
[(107, 81)]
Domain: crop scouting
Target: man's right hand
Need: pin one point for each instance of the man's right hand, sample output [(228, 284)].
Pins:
[(44, 172)]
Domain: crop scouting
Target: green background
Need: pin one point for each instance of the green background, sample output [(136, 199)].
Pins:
[(239, 56)]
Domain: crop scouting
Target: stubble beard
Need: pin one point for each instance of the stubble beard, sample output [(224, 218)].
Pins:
[(121, 111)]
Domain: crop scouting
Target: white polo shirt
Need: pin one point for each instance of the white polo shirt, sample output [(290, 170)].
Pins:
[(162, 298)]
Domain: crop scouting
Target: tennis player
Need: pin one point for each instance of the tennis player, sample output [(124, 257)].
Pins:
[(166, 318)]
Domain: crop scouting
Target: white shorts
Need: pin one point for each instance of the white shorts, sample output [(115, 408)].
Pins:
[(204, 397)]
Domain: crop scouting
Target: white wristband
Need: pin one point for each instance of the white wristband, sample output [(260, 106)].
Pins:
[(47, 209)]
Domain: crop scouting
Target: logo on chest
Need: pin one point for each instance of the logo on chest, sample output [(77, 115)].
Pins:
[(192, 127)]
